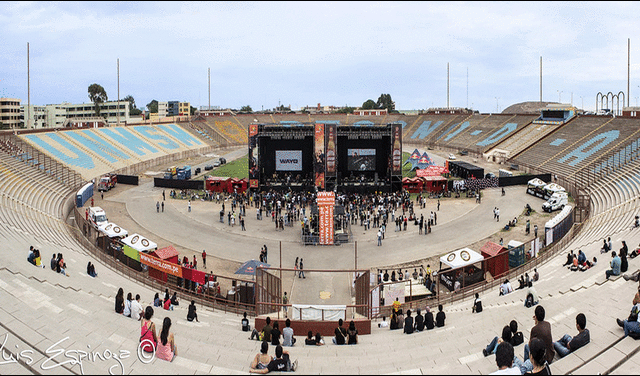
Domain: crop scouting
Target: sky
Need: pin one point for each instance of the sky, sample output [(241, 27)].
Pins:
[(335, 53)]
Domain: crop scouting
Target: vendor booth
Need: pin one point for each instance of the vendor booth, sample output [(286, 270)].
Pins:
[(463, 265), (535, 187), (497, 258), (413, 185), (168, 254), (238, 185), (218, 184), (139, 243), (435, 184)]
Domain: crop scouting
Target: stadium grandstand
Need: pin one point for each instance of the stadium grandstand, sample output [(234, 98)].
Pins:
[(595, 157)]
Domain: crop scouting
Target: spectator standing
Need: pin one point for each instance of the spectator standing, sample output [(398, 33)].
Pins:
[(301, 270), (477, 304)]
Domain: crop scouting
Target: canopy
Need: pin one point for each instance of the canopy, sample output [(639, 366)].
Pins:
[(536, 182), (166, 253), (139, 243), (249, 267), (112, 230), (553, 187), (461, 257)]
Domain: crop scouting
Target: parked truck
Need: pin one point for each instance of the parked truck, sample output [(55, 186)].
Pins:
[(97, 216), (107, 182), (557, 201), (184, 173)]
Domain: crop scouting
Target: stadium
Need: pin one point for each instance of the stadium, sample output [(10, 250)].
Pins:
[(594, 157)]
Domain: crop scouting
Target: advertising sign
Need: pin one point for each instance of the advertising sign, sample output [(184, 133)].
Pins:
[(319, 156), (332, 160), (432, 171), (326, 201), (161, 265), (288, 160), (396, 150), (254, 170)]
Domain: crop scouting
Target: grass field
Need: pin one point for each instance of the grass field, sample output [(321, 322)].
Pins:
[(238, 168)]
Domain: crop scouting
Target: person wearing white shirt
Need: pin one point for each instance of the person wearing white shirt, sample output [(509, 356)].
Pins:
[(127, 306), (136, 308), (504, 360)]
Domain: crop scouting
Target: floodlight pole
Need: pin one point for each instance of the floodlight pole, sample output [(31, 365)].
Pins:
[(281, 262)]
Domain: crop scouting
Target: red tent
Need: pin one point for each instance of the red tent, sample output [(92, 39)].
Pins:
[(496, 258), (435, 183), (413, 185), (240, 185)]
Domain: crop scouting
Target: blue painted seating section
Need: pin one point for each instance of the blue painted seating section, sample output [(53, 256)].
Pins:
[(93, 152)]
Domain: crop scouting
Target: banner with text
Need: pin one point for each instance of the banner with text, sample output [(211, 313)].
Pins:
[(319, 156), (332, 153), (254, 168), (326, 201), (161, 265), (396, 150)]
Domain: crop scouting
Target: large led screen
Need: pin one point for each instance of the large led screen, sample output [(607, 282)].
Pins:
[(361, 159), (288, 160)]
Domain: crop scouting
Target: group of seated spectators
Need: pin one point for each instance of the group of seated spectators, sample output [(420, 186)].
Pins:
[(168, 302), (410, 324), (164, 347), (57, 263), (539, 351), (34, 257), (579, 262)]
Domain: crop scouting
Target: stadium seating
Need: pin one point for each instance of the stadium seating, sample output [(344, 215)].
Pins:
[(93, 152)]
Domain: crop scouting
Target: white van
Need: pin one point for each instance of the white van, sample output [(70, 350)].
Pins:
[(557, 201), (97, 216)]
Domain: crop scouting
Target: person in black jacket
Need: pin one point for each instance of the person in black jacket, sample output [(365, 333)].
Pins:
[(440, 317), (419, 321), (408, 323), (120, 301), (192, 315), (428, 319)]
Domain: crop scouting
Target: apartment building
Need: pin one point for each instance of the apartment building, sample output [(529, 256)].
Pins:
[(9, 113)]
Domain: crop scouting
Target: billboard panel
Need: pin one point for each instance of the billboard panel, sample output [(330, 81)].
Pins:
[(332, 153), (319, 156), (288, 160), (396, 149), (254, 168), (326, 201)]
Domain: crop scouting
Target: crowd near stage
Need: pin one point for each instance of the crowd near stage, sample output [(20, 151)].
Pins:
[(325, 157)]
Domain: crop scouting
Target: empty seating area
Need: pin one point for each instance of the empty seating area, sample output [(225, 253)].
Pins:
[(527, 136), (93, 152), (229, 129)]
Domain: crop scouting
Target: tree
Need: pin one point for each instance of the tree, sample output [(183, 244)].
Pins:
[(384, 101), (346, 110), (369, 105), (153, 106), (246, 108), (192, 110), (97, 95), (133, 110)]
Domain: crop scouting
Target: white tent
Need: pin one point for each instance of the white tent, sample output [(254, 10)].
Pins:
[(112, 230), (139, 243), (536, 182), (461, 257)]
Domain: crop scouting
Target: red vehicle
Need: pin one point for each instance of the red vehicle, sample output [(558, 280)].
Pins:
[(107, 182)]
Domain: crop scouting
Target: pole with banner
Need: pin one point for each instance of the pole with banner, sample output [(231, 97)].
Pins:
[(254, 167), (319, 156), (326, 202)]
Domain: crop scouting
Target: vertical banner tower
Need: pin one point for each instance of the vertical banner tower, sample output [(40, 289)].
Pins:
[(254, 168), (326, 201), (396, 156), (319, 155)]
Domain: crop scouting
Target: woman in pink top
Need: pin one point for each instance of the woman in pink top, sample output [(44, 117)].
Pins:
[(167, 349), (148, 338)]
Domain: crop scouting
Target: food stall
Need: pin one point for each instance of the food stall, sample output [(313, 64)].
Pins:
[(496, 258), (463, 265), (413, 185), (218, 184), (168, 254)]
